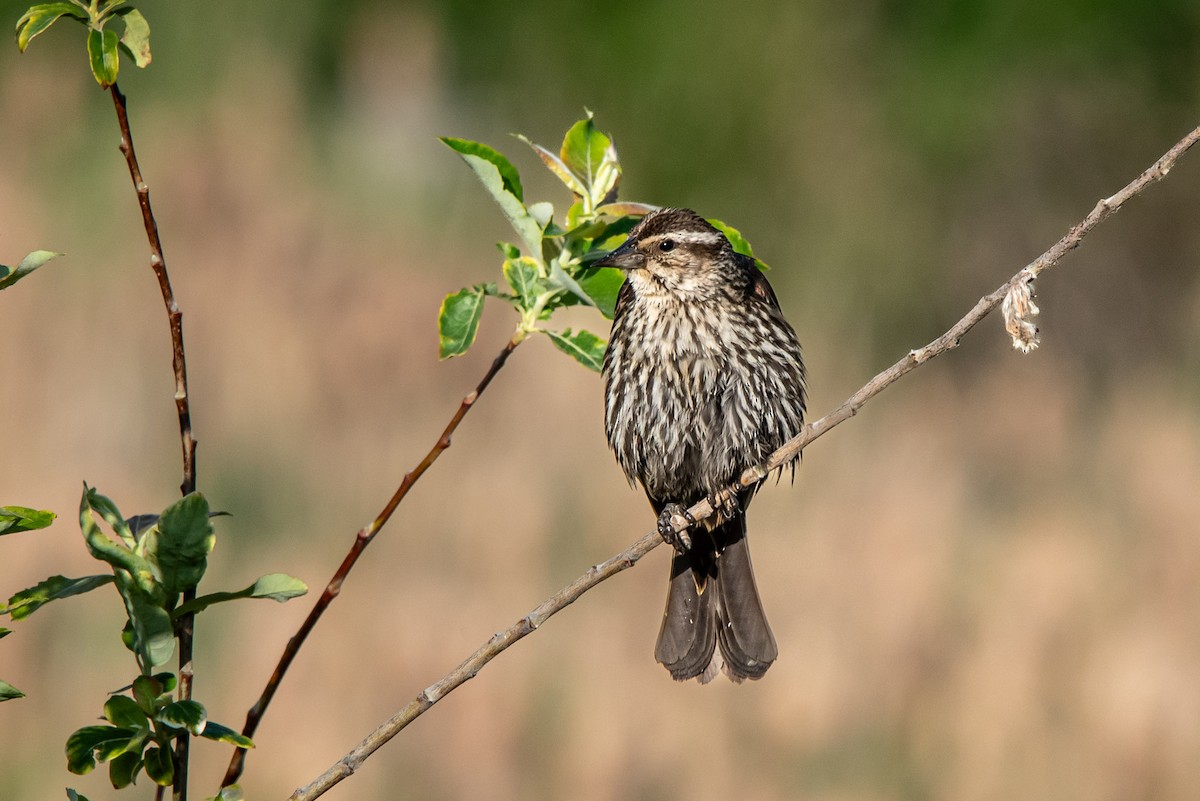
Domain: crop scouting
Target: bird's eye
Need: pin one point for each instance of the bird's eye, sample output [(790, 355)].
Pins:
[(666, 245)]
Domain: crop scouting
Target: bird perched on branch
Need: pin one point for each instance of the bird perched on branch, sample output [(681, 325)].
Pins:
[(703, 379)]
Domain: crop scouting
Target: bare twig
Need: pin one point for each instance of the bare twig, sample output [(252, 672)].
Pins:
[(500, 642), (361, 541), (179, 362)]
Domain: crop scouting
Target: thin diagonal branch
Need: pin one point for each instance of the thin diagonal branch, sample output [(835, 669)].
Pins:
[(361, 541), (158, 263), (500, 642)]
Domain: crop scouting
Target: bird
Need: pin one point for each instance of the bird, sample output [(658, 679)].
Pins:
[(704, 378)]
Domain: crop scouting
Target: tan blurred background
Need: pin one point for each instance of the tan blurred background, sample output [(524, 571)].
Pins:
[(986, 586)]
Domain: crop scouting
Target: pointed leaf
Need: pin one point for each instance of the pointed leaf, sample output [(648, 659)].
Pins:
[(9, 692), (11, 275), (626, 208), (40, 17), (136, 39), (153, 631), (458, 321), (184, 540), (21, 518), (4, 632), (224, 734), (26, 602), (497, 176), (592, 156), (160, 766), (74, 796), (585, 347), (101, 547), (276, 586), (189, 715), (556, 165), (102, 50)]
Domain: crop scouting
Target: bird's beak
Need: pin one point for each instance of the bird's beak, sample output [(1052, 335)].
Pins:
[(626, 257)]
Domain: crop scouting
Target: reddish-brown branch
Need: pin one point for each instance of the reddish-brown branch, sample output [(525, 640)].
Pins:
[(179, 363), (500, 642), (361, 541)]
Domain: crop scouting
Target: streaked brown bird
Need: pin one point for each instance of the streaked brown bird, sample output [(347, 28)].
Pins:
[(703, 379)]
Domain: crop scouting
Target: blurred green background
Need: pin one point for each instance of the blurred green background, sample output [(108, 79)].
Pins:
[(987, 586)]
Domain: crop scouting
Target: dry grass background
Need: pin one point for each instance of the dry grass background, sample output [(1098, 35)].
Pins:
[(986, 586)]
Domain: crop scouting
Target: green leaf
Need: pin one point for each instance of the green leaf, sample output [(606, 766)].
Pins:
[(21, 518), (585, 347), (160, 766), (190, 715), (522, 275), (124, 769), (556, 165), (508, 173), (101, 547), (458, 321), (603, 284), (500, 179), (153, 631), (11, 275), (74, 796), (740, 245), (90, 744), (102, 50), (121, 710), (4, 632), (592, 156), (224, 734), (276, 586), (183, 542), (136, 39), (26, 602), (9, 692), (148, 690), (112, 515), (40, 17)]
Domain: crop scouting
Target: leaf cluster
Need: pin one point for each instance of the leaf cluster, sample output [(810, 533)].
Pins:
[(104, 46)]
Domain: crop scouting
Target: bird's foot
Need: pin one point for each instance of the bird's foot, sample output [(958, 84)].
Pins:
[(725, 504), (673, 524)]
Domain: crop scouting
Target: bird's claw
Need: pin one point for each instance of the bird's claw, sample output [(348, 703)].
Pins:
[(673, 524), (725, 504)]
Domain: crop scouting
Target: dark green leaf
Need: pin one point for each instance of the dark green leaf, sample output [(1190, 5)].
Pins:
[(153, 631), (458, 321), (603, 284), (102, 50), (498, 175), (184, 541), (121, 710), (11, 275), (136, 39), (74, 796), (21, 518), (92, 743), (509, 250), (585, 347), (522, 275), (112, 515), (9, 692), (26, 602), (160, 765), (740, 245), (4, 632), (508, 173), (224, 734), (147, 691), (124, 769), (275, 586), (40, 17), (189, 715)]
